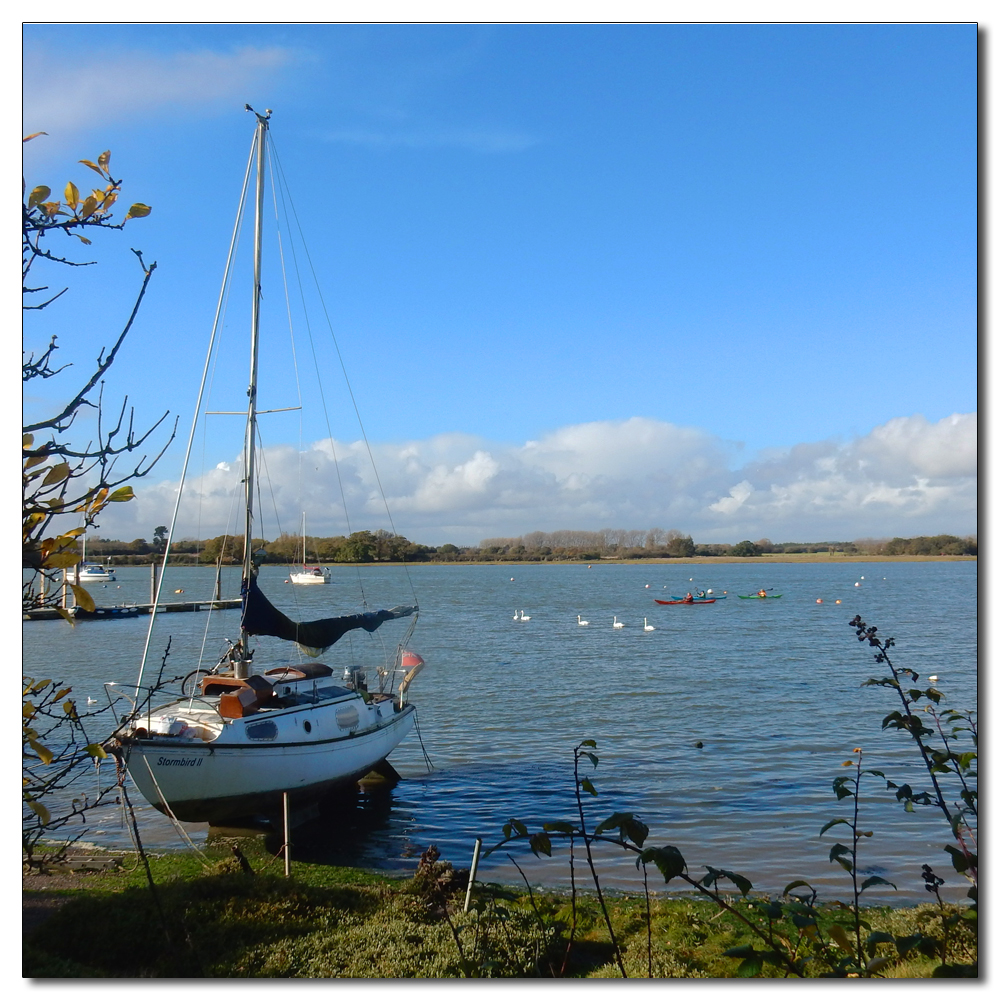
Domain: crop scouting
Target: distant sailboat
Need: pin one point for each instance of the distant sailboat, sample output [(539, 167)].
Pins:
[(309, 574)]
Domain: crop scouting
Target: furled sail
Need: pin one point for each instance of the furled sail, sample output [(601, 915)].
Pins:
[(261, 617)]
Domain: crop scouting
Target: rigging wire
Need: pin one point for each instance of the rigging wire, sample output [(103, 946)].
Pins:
[(280, 187), (194, 422), (278, 173)]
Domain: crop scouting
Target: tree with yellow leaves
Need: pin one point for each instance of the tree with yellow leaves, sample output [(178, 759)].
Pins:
[(60, 478)]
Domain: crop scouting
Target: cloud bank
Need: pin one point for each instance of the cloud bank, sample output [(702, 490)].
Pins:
[(907, 477)]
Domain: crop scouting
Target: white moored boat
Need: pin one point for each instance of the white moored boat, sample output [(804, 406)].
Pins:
[(308, 574), (236, 739), (96, 573)]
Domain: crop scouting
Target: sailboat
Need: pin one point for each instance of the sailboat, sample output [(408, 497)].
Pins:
[(309, 574), (238, 739), (93, 572)]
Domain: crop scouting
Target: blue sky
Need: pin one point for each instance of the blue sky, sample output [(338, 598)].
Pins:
[(718, 278)]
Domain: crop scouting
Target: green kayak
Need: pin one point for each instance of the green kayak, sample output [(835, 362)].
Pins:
[(757, 597)]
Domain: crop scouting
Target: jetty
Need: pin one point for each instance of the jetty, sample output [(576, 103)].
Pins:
[(132, 609), (47, 614)]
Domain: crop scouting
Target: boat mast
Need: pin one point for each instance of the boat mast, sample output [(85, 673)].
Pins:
[(243, 667)]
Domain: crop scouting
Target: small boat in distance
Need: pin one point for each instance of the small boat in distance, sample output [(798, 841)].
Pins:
[(308, 574), (694, 600), (96, 573)]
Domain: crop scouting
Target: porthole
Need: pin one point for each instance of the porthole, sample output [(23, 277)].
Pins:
[(307, 726)]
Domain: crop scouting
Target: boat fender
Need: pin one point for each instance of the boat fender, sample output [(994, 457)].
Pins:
[(415, 663)]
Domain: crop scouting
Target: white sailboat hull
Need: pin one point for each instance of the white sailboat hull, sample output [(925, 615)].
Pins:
[(308, 578), (235, 775)]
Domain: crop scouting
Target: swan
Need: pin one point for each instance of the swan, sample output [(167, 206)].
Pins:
[(525, 618), (617, 623), (517, 617), (580, 621), (646, 627)]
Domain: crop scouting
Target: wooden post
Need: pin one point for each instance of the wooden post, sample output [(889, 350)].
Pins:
[(472, 872), (288, 856), (218, 582), (152, 582)]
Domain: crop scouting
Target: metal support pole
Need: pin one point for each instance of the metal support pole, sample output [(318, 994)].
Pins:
[(472, 873), (288, 856)]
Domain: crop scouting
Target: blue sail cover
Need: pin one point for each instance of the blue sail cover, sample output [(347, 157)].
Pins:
[(261, 617)]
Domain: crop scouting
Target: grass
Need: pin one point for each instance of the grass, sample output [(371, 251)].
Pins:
[(326, 922)]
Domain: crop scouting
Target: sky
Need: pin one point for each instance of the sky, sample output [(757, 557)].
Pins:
[(719, 278)]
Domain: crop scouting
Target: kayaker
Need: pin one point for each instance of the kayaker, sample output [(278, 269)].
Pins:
[(762, 593), (701, 593), (688, 599)]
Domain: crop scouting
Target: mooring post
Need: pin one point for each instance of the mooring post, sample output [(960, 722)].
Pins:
[(472, 872), (152, 582), (288, 825)]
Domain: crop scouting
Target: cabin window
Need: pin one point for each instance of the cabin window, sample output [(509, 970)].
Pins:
[(262, 731)]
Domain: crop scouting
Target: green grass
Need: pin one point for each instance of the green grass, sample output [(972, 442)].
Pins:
[(326, 922)]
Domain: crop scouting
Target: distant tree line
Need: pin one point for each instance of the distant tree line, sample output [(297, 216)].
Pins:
[(537, 546)]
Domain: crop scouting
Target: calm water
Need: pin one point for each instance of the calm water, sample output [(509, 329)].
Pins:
[(771, 689)]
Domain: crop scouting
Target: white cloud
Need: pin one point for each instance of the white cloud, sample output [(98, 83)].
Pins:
[(62, 95), (906, 477)]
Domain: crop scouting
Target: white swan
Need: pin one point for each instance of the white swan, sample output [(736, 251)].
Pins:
[(646, 627), (617, 623), (580, 621), (525, 618), (517, 616)]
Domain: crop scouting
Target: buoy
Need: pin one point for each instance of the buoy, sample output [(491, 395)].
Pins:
[(512, 579), (647, 586), (932, 679), (862, 578), (819, 600), (857, 585), (181, 591), (838, 600)]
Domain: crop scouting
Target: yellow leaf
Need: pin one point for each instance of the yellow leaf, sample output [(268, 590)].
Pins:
[(92, 165), (839, 935), (27, 440), (97, 751), (27, 709), (39, 810), (73, 533), (121, 495), (34, 135), (44, 682), (38, 195), (88, 206), (56, 474), (72, 194), (104, 159), (138, 211), (69, 707), (82, 597), (61, 560), (30, 463), (45, 755), (63, 613)]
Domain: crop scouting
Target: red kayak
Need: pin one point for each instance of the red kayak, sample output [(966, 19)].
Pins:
[(696, 600)]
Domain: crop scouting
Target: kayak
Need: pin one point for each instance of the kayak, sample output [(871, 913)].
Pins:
[(697, 600), (714, 597), (757, 597)]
